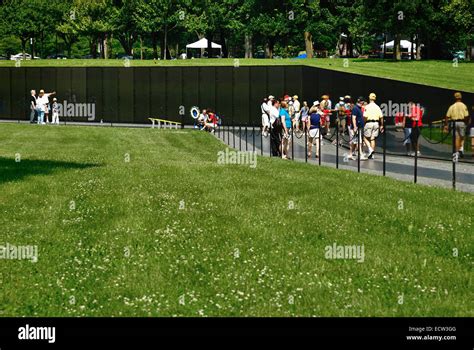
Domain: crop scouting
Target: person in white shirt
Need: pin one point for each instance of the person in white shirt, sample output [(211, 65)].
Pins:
[(270, 100), (297, 111), (265, 117), (276, 129), (41, 104), (55, 112), (202, 119)]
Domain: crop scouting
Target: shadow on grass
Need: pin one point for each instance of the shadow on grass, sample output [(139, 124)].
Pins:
[(10, 170)]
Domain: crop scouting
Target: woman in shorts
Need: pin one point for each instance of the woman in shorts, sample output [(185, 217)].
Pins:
[(304, 115), (313, 124), (286, 123)]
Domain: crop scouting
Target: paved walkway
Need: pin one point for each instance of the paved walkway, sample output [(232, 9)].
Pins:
[(430, 172)]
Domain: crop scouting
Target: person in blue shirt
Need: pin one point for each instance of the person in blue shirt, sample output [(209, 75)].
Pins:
[(356, 128), (314, 126), (286, 123)]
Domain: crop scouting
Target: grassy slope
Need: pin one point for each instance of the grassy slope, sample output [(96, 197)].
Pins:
[(235, 249), (434, 73)]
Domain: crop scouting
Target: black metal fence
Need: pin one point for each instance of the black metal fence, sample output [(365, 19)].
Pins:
[(390, 155), (131, 95)]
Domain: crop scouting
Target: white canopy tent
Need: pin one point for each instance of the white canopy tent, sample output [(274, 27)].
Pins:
[(404, 44), (202, 44)]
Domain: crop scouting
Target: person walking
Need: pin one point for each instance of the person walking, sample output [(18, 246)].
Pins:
[(458, 115), (407, 128), (313, 124), (265, 108), (275, 128), (32, 106), (416, 116), (286, 124), (373, 124), (304, 115), (356, 129)]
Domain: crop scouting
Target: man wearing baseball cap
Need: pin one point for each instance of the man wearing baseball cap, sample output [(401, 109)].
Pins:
[(458, 114), (355, 129), (373, 124)]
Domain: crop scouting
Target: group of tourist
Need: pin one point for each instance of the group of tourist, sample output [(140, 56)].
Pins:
[(40, 108), (361, 120)]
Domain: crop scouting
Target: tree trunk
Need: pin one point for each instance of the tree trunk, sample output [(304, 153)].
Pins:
[(225, 49), (201, 36), (397, 55), (154, 44), (248, 46), (418, 48), (23, 47), (127, 43), (308, 43), (209, 45), (269, 49), (469, 53), (141, 48), (350, 47), (165, 42), (384, 46)]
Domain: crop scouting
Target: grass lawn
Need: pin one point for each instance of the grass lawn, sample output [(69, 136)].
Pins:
[(112, 239), (432, 72)]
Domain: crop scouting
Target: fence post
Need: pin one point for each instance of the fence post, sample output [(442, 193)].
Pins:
[(270, 148), (455, 154), (305, 146), (292, 145), (253, 137), (416, 164), (246, 142), (240, 137), (320, 151), (358, 149), (337, 143), (261, 141), (233, 135), (384, 146)]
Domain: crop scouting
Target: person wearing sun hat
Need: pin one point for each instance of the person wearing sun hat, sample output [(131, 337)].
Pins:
[(313, 124), (55, 109), (373, 124), (297, 111), (356, 127)]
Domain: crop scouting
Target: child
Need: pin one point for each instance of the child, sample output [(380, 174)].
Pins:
[(55, 111)]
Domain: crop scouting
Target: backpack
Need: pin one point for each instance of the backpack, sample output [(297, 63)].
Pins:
[(277, 124)]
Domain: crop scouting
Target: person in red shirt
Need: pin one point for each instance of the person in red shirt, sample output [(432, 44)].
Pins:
[(211, 122), (416, 116)]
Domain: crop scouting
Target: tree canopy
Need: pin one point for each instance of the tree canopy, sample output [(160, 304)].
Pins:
[(245, 28)]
